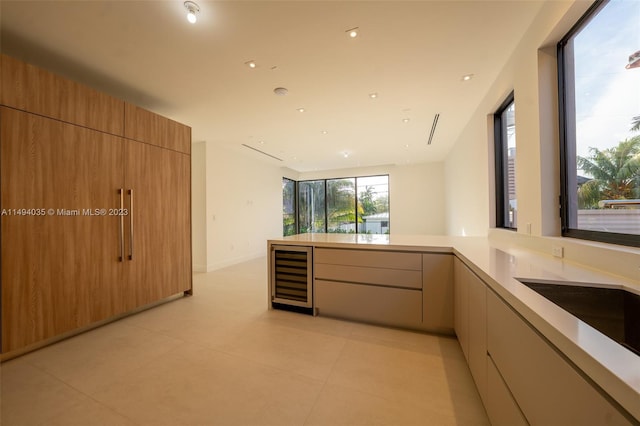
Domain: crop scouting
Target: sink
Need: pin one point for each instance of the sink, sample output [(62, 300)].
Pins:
[(612, 311)]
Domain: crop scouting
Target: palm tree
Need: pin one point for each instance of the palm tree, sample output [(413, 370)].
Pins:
[(635, 123), (615, 172)]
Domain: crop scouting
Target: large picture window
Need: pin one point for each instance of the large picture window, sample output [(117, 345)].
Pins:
[(289, 224), (599, 80), (505, 147), (342, 205)]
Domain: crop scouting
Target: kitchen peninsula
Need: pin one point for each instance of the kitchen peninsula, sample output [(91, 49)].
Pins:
[(532, 361)]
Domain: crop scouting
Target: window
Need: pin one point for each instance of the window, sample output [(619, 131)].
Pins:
[(288, 207), (311, 206), (373, 204), (505, 147), (341, 205), (599, 80)]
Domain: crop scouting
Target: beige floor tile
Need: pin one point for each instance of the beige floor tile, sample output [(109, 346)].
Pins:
[(196, 386), (291, 349), (222, 358), (96, 358), (31, 396)]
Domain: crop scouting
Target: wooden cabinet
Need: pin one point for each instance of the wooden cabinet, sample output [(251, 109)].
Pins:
[(59, 265), (158, 245), (470, 313), (32, 89), (145, 126), (544, 385), (71, 257)]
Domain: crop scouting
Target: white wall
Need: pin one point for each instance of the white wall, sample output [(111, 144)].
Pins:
[(416, 195), (468, 169), (199, 206), (243, 205)]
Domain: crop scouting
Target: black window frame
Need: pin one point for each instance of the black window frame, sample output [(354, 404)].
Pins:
[(501, 152), (568, 166), (326, 222), (295, 206)]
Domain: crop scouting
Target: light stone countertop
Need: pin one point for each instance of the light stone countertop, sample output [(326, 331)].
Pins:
[(614, 368)]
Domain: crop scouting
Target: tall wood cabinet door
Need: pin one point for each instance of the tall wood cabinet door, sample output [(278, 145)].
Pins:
[(60, 268), (159, 229)]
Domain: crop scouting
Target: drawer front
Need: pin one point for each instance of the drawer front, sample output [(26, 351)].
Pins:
[(380, 305), (547, 388), (501, 407), (370, 258), (367, 275)]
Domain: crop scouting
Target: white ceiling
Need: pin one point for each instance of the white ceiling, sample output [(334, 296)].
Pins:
[(412, 54)]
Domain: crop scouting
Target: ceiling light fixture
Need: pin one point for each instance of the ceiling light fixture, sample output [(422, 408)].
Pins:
[(353, 32), (251, 64), (373, 95), (192, 10), (345, 154), (301, 110), (467, 77), (405, 120), (324, 132), (280, 91)]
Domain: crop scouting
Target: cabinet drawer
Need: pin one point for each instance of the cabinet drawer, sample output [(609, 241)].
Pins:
[(500, 405), (370, 258), (547, 388), (367, 275), (381, 305)]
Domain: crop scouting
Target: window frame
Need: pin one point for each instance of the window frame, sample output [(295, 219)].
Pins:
[(568, 162), (295, 206), (325, 182), (501, 152)]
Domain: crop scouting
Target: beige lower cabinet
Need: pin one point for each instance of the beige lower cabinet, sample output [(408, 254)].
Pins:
[(499, 403), (548, 389), (470, 312), (437, 292), (396, 288)]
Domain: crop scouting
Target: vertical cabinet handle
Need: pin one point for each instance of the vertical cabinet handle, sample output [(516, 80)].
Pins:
[(131, 224), (121, 257)]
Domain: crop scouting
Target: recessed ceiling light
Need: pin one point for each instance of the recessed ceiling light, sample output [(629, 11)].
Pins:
[(373, 95), (324, 132), (192, 10), (261, 142), (280, 91), (353, 32), (301, 109), (407, 146), (405, 120), (467, 77), (251, 64), (345, 154)]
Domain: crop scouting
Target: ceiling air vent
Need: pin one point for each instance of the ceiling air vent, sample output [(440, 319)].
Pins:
[(433, 128), (262, 152)]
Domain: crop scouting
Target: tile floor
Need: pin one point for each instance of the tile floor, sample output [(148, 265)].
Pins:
[(221, 358)]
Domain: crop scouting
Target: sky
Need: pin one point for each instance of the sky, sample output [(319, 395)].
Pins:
[(607, 94)]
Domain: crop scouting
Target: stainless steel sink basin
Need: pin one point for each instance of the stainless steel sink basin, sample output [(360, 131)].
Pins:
[(613, 312)]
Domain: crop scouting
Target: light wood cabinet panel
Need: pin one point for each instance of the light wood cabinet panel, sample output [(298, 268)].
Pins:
[(369, 258), (437, 292), (41, 92), (478, 331), (60, 270), (547, 388), (501, 407), (379, 305), (368, 275), (461, 305), (161, 244), (146, 126)]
